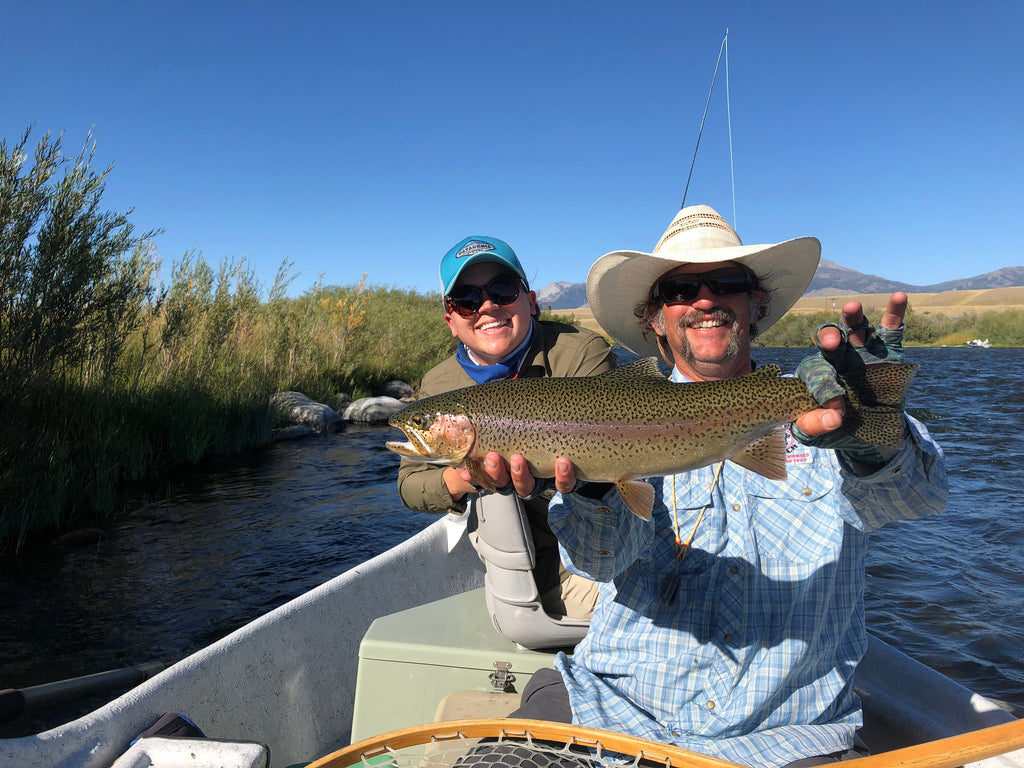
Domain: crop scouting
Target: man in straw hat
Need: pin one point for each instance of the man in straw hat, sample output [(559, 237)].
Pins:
[(732, 622)]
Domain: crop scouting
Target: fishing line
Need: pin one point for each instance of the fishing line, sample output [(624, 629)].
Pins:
[(705, 117), (728, 119)]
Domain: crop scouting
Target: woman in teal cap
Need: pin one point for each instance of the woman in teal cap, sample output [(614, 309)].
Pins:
[(491, 310)]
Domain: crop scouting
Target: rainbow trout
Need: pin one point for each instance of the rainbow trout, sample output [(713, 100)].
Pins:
[(634, 423)]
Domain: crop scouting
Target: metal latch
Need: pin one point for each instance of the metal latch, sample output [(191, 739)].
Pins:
[(502, 678)]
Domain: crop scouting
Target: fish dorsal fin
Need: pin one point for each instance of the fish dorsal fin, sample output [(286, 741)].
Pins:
[(766, 456), (645, 367), (637, 495), (771, 370)]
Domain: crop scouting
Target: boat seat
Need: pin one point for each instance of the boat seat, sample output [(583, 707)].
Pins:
[(500, 533)]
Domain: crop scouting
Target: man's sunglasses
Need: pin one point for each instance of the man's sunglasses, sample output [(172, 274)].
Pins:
[(726, 281), (466, 300)]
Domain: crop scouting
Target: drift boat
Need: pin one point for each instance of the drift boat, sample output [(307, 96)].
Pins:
[(409, 639)]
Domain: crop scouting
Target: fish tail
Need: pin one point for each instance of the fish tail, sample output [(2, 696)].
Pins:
[(875, 396)]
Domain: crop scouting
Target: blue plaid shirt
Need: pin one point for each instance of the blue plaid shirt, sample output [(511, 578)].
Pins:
[(746, 649)]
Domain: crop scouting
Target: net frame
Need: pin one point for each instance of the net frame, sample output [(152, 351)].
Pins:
[(387, 750)]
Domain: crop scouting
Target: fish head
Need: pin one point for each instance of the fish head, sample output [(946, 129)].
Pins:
[(436, 435)]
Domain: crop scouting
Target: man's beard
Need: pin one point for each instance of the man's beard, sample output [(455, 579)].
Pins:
[(691, 318)]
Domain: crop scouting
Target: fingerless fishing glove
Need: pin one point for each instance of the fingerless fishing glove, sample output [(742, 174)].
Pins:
[(821, 371)]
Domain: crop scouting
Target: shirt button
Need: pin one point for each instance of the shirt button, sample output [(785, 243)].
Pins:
[(896, 470), (602, 552), (727, 638), (736, 507), (710, 705), (734, 570), (807, 491), (602, 510)]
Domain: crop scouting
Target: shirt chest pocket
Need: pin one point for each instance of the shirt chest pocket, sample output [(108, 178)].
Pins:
[(796, 520)]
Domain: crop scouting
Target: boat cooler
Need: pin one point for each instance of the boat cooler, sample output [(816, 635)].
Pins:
[(439, 661)]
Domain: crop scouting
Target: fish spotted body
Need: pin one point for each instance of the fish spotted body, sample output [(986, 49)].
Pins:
[(634, 423)]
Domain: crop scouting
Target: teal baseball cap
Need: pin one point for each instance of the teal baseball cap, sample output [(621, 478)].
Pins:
[(473, 250)]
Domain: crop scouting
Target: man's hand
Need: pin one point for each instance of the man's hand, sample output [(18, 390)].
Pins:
[(525, 483), (517, 472), (843, 348)]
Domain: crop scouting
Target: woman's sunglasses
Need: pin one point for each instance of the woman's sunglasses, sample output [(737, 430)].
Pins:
[(466, 300), (721, 282)]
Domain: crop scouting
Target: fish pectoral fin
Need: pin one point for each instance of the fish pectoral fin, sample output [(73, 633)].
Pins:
[(638, 497), (479, 475), (766, 456)]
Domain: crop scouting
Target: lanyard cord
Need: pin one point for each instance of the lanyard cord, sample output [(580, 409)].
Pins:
[(683, 547)]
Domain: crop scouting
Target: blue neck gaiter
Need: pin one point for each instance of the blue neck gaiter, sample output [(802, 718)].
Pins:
[(504, 369)]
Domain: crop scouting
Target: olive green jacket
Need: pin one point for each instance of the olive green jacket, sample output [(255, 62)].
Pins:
[(558, 349)]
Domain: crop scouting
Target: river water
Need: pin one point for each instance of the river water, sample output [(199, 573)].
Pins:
[(232, 539)]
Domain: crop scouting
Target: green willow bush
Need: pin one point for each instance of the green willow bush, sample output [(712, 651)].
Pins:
[(1001, 328), (75, 282), (75, 277)]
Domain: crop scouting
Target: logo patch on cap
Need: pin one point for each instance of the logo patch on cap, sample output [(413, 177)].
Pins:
[(473, 246)]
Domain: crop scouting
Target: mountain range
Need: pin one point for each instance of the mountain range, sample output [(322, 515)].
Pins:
[(830, 279)]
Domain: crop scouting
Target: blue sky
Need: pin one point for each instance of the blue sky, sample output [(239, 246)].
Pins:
[(368, 137)]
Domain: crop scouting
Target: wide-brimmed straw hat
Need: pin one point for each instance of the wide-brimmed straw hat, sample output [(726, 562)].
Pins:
[(621, 280)]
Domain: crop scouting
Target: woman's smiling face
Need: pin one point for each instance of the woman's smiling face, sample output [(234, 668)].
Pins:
[(494, 331)]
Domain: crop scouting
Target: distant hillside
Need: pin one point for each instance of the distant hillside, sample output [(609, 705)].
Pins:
[(562, 296), (1008, 277), (830, 279)]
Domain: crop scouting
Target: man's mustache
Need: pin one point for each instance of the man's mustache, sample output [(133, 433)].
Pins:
[(718, 314)]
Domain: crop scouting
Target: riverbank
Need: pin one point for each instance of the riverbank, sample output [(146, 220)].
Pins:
[(191, 382)]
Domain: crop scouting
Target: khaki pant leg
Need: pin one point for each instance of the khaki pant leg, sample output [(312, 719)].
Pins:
[(574, 597)]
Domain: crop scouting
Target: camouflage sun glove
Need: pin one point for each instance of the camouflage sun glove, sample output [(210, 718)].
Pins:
[(882, 345), (822, 373)]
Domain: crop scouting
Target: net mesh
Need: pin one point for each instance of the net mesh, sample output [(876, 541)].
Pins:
[(504, 751)]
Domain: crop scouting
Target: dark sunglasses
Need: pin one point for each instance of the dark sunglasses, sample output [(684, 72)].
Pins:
[(466, 300), (726, 281)]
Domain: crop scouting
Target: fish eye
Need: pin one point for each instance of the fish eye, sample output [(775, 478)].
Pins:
[(419, 421)]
